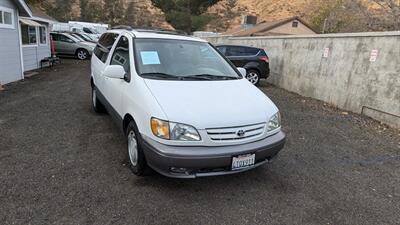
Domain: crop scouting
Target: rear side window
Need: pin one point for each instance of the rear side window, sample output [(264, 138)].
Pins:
[(241, 51), (55, 37), (104, 46), (251, 51), (222, 49), (64, 38)]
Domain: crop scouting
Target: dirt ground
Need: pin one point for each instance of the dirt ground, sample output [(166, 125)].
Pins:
[(60, 163)]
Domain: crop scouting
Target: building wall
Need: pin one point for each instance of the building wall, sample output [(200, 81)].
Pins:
[(10, 55), (288, 29), (32, 55), (345, 77)]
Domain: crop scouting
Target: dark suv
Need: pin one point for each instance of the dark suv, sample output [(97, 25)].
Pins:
[(254, 60)]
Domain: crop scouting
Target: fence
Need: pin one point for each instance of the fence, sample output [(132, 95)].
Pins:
[(358, 72)]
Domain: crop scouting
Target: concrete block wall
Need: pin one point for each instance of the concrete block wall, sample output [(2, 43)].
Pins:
[(346, 77)]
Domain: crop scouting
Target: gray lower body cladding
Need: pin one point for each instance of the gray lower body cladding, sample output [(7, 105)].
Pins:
[(201, 161)]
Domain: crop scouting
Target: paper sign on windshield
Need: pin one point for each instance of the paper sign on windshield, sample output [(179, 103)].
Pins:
[(150, 58)]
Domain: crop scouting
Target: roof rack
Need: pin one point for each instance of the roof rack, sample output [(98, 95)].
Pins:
[(122, 27), (150, 29)]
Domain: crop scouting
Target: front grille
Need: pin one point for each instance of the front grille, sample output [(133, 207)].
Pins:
[(236, 133)]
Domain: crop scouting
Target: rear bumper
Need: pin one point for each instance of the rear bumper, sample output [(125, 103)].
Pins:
[(201, 161), (266, 72)]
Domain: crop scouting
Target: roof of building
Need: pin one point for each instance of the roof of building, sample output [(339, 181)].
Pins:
[(23, 8), (33, 13), (265, 26), (38, 14)]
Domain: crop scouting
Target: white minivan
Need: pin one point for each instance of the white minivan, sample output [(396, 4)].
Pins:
[(185, 110)]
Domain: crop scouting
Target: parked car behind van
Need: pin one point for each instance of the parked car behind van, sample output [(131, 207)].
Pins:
[(184, 109), (83, 37), (67, 44), (254, 60)]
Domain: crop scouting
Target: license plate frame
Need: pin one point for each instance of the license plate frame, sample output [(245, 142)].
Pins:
[(243, 161)]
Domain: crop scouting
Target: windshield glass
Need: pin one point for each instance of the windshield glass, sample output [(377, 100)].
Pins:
[(181, 60), (87, 37), (94, 31), (78, 37), (73, 38)]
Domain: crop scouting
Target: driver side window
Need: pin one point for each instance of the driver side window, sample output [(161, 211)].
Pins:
[(64, 38), (121, 55)]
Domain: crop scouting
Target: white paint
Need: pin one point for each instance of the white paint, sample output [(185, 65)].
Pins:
[(202, 104)]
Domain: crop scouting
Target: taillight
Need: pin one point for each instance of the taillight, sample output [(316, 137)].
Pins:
[(264, 58)]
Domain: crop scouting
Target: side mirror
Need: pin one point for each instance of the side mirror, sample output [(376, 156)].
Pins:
[(242, 71), (115, 71)]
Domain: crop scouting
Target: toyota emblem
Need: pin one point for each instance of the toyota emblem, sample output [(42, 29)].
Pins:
[(240, 133)]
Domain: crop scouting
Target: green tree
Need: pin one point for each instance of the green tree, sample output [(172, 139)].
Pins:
[(325, 16), (61, 10), (94, 12), (83, 4), (113, 12), (186, 15), (130, 14)]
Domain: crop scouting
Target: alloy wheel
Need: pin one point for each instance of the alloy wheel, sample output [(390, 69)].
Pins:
[(132, 148), (94, 97), (252, 77), (82, 55)]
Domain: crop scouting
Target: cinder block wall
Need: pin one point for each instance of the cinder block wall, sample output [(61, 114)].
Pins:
[(345, 77)]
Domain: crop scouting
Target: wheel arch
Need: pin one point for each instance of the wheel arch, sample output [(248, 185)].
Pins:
[(254, 68), (126, 120), (80, 48)]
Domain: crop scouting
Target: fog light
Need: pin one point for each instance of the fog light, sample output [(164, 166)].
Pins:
[(179, 170)]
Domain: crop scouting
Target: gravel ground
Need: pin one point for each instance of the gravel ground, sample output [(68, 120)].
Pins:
[(60, 163)]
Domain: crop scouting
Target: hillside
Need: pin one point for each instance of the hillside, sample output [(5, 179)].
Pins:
[(347, 16), (230, 11), (129, 12)]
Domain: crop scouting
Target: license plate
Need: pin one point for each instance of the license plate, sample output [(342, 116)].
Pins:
[(243, 161)]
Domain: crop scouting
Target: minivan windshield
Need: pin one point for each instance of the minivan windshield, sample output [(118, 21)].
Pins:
[(167, 59)]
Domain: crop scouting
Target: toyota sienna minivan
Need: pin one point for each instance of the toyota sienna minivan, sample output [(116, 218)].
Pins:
[(184, 109)]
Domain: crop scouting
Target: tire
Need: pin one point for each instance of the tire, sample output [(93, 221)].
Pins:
[(82, 54), (96, 104), (135, 156), (253, 76)]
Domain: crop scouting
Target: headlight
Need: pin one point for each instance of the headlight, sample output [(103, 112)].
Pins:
[(274, 122), (174, 131)]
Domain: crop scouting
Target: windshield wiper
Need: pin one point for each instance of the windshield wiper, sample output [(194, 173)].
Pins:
[(160, 75), (166, 76), (210, 77)]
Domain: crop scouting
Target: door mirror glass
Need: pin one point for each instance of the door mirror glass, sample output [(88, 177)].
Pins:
[(115, 71), (242, 71)]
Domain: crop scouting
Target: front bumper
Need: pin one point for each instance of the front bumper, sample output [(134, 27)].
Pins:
[(201, 161)]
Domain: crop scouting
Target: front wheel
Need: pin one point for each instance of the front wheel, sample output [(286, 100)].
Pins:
[(82, 54), (96, 104), (253, 76), (137, 161)]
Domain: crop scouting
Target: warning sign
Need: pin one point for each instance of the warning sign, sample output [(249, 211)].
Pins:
[(374, 55), (326, 53)]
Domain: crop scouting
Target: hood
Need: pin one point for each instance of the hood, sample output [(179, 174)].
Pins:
[(212, 104), (89, 44)]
